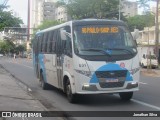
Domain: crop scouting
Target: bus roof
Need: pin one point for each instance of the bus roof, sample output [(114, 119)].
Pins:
[(98, 21), (86, 22)]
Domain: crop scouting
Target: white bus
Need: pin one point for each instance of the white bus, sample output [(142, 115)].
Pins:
[(91, 56)]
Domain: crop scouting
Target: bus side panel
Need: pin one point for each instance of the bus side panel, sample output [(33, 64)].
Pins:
[(51, 70), (68, 71)]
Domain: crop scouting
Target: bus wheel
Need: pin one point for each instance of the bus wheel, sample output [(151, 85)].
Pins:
[(42, 83), (70, 96), (126, 95)]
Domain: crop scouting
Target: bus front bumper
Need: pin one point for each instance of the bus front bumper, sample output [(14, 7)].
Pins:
[(93, 89)]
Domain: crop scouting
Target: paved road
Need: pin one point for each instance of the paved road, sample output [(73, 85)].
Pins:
[(147, 99)]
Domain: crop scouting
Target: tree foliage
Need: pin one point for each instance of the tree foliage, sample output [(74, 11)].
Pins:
[(60, 3), (7, 46), (47, 24), (81, 9), (141, 21), (145, 4), (7, 19), (44, 25), (2, 7), (145, 20), (20, 48)]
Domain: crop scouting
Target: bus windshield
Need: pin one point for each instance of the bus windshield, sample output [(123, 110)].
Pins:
[(98, 39)]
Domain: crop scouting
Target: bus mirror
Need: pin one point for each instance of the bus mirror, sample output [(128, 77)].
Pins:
[(135, 34), (144, 56), (63, 35)]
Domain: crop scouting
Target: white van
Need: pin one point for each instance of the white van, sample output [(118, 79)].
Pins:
[(146, 59)]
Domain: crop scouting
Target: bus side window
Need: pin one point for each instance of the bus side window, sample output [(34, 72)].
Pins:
[(59, 48), (36, 44), (41, 44), (67, 44), (45, 40), (67, 28), (49, 42), (54, 41), (68, 47)]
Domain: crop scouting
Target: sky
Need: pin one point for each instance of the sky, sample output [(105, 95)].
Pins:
[(20, 7)]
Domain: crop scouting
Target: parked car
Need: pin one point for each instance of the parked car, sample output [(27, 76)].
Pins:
[(1, 55), (149, 60)]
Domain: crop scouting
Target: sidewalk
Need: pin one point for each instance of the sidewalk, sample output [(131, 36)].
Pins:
[(150, 72), (14, 98)]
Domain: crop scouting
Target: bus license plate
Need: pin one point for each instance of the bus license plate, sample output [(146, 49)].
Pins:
[(111, 80)]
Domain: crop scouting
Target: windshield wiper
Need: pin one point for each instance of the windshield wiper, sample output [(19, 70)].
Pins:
[(98, 50), (120, 49)]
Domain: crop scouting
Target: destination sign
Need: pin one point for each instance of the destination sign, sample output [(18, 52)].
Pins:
[(95, 30)]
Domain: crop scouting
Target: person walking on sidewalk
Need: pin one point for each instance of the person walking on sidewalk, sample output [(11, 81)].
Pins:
[(14, 56)]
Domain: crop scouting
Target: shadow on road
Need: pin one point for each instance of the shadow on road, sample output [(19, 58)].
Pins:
[(96, 99)]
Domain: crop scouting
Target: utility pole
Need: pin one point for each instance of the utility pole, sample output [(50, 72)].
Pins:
[(28, 36), (157, 30)]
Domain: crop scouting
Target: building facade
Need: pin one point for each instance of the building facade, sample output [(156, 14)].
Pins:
[(36, 13), (129, 8), (61, 14), (46, 10)]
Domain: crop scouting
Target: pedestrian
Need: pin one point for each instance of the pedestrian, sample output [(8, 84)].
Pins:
[(14, 56)]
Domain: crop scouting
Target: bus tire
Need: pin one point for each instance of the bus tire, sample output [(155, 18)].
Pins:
[(71, 97), (43, 84), (126, 95)]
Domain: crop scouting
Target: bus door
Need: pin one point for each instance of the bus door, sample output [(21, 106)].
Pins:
[(59, 51)]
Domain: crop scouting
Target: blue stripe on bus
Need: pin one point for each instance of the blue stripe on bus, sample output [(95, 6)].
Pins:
[(42, 66), (110, 67)]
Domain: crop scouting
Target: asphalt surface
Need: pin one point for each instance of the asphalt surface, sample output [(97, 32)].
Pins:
[(147, 99)]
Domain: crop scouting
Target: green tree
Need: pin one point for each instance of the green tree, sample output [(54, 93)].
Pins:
[(81, 9), (20, 49), (7, 47), (60, 3), (141, 21), (44, 25), (2, 7), (7, 19)]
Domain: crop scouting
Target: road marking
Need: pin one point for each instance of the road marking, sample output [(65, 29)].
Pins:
[(145, 104), (21, 64), (143, 83)]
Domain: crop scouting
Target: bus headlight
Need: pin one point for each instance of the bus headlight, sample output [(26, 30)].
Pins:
[(86, 73)]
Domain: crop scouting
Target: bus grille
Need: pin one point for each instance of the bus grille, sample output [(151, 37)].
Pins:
[(107, 78)]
